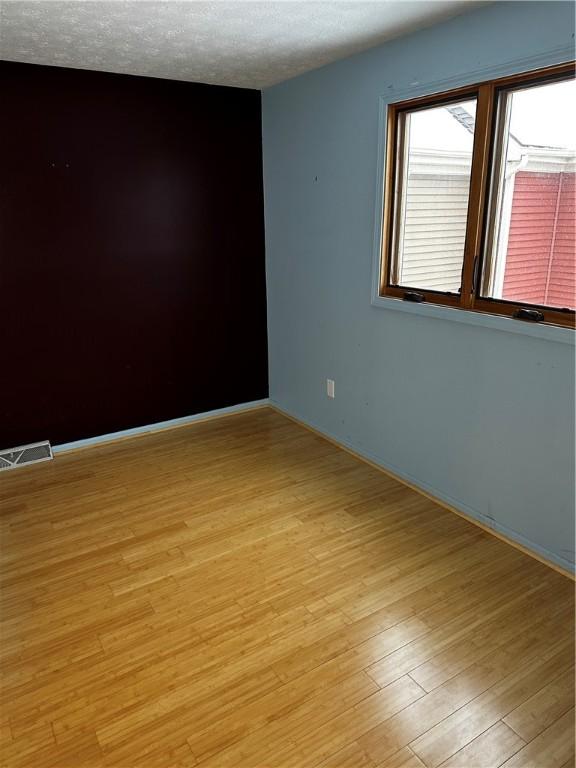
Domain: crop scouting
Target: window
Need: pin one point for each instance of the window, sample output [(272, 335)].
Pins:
[(480, 198)]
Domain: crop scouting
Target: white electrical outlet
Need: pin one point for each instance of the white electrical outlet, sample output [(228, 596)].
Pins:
[(330, 387)]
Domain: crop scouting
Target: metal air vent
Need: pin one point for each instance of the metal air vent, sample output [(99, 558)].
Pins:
[(12, 458)]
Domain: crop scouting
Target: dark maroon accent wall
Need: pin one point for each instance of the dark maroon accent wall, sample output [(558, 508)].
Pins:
[(132, 283)]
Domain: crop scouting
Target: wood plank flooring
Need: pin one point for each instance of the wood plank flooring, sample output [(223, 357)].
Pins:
[(241, 593)]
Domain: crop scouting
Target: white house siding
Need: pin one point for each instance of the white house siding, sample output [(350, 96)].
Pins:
[(435, 206)]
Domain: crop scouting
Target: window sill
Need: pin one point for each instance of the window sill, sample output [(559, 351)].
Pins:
[(494, 322)]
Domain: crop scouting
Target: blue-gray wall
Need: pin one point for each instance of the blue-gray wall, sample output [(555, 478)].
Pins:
[(480, 416)]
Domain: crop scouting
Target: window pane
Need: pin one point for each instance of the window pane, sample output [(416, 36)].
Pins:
[(432, 187), (530, 253)]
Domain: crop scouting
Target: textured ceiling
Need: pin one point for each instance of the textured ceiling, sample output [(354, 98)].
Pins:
[(242, 43)]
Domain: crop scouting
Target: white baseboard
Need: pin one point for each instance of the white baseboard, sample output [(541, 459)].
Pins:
[(159, 426), (512, 537)]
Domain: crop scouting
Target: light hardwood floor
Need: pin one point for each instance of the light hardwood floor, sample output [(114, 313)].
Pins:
[(241, 592)]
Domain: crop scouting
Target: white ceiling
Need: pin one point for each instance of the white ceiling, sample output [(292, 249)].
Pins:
[(241, 43)]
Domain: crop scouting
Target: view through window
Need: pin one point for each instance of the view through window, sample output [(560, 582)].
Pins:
[(531, 247), (434, 198)]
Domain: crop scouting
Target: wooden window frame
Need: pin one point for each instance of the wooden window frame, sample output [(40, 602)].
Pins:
[(487, 95)]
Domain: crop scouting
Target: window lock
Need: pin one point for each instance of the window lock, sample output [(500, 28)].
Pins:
[(529, 314), (413, 296)]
